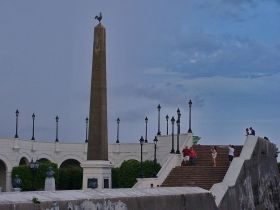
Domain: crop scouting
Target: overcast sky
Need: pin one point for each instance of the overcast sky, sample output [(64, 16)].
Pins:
[(222, 54)]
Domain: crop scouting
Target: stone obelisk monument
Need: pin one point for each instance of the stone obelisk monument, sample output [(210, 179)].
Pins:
[(97, 168)]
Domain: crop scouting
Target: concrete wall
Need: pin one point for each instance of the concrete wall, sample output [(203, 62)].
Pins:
[(173, 198), (252, 181)]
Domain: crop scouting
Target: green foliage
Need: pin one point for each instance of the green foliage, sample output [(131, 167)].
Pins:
[(26, 175), (196, 139), (128, 172), (70, 178), (115, 177), (125, 176)]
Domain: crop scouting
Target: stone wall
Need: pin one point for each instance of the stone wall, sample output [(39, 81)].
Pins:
[(255, 184), (173, 198)]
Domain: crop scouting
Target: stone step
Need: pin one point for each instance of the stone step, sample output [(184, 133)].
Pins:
[(203, 174)]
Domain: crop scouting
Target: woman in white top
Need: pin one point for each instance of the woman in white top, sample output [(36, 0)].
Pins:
[(230, 153), (214, 155)]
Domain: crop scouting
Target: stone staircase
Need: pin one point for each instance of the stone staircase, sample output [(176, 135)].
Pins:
[(203, 174)]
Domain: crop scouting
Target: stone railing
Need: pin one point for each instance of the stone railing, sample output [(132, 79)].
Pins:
[(172, 161)]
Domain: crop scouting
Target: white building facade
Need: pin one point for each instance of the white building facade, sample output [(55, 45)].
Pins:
[(14, 151)]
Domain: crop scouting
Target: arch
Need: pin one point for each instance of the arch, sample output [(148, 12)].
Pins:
[(23, 161), (45, 156), (71, 157), (23, 155), (70, 162), (3, 172), (43, 160)]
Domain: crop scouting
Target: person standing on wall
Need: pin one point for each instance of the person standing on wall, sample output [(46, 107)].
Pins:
[(214, 155), (252, 131), (230, 153)]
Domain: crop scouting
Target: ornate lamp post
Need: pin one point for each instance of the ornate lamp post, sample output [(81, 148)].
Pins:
[(56, 133), (167, 117), (179, 113), (172, 134), (33, 166), (159, 107), (17, 113), (190, 119), (86, 130), (33, 118), (141, 163), (155, 155), (118, 127), (146, 122), (178, 135)]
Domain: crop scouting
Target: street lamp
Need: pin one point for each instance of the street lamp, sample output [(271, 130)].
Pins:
[(141, 163), (155, 155), (190, 121), (56, 136), (33, 118), (172, 134), (159, 107), (146, 122), (118, 127), (167, 117), (86, 130), (33, 166), (179, 113), (17, 113), (178, 135)]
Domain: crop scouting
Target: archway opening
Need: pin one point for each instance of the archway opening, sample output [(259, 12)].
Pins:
[(70, 175), (23, 161), (3, 170)]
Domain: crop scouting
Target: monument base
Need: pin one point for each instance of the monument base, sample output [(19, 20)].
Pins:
[(97, 174)]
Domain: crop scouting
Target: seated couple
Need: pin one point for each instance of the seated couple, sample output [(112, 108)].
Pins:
[(189, 155)]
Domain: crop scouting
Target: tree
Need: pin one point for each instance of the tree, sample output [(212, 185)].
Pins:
[(26, 175), (125, 176)]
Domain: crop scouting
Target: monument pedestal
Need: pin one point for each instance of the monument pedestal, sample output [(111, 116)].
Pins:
[(97, 174)]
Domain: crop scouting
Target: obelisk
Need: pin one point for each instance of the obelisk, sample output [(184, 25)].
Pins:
[(98, 138), (97, 168)]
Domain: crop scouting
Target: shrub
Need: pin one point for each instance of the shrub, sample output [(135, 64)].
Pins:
[(125, 176), (26, 175), (70, 178)]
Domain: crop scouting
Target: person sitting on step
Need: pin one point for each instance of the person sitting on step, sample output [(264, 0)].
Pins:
[(186, 155)]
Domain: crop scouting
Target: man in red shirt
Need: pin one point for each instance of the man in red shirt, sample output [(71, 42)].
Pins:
[(193, 156)]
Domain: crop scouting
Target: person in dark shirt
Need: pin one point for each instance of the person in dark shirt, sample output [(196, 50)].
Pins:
[(252, 131)]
